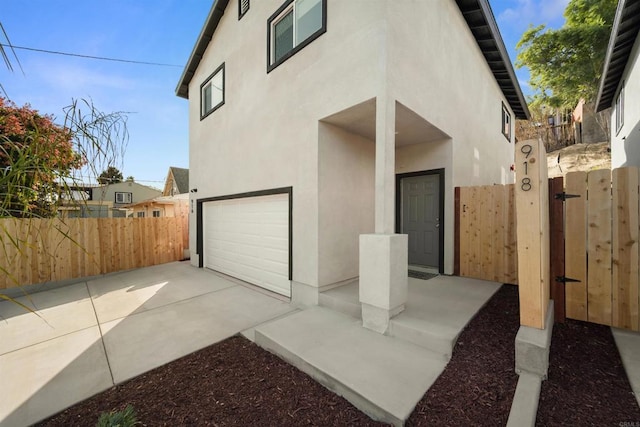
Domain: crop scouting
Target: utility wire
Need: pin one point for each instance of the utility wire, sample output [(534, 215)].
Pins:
[(102, 58), (6, 58)]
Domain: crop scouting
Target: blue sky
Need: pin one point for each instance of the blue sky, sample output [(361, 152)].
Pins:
[(161, 31)]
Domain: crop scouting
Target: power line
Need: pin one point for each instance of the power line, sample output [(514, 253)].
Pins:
[(102, 58)]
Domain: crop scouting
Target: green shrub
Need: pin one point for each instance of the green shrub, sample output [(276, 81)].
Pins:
[(123, 418)]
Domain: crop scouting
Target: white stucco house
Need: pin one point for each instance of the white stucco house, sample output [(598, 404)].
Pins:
[(327, 137), (620, 85)]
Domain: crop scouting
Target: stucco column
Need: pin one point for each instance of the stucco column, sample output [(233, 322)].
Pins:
[(385, 165), (383, 255)]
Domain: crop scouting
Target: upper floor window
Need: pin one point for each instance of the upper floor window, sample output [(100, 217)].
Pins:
[(156, 214), (506, 123), (293, 26), (243, 7), (123, 197), (212, 92), (620, 109)]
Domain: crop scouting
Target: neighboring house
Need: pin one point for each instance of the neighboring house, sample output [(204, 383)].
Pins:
[(620, 85), (177, 181), (314, 122), (159, 207), (106, 201)]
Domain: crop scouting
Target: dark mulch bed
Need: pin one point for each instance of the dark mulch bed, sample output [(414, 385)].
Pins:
[(236, 382), (478, 385), (233, 382), (587, 384)]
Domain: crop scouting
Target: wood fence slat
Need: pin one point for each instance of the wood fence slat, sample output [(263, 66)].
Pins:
[(464, 231), (599, 247), (575, 245), (497, 232), (486, 215), (556, 227), (625, 249), (510, 237)]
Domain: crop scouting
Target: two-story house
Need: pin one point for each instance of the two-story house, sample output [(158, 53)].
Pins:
[(327, 137), (620, 85)]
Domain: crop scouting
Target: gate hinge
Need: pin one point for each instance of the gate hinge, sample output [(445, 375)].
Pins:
[(564, 196), (565, 279)]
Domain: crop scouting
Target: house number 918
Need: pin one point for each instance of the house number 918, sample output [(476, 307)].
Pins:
[(525, 184)]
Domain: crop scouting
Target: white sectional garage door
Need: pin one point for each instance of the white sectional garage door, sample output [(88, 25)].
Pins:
[(248, 238)]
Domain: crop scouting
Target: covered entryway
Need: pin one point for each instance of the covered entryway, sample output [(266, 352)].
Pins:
[(249, 238), (421, 214)]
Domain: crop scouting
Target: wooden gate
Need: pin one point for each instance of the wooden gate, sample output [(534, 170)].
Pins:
[(601, 247), (601, 243), (486, 233)]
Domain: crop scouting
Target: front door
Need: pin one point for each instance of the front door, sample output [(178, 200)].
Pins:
[(421, 218)]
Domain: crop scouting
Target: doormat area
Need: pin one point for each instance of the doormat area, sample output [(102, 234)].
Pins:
[(421, 275)]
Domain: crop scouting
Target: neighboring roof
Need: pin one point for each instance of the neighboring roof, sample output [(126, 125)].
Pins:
[(162, 200), (477, 13), (210, 25), (624, 32), (483, 25), (180, 178)]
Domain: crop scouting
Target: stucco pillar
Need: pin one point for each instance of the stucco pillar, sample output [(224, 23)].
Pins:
[(383, 255), (385, 165)]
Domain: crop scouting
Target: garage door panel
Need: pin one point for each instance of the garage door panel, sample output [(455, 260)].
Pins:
[(249, 239)]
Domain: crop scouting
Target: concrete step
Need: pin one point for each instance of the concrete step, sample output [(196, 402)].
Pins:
[(344, 299), (383, 376), (437, 338)]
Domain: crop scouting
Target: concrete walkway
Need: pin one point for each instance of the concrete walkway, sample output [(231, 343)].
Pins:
[(628, 343), (384, 376), (95, 334)]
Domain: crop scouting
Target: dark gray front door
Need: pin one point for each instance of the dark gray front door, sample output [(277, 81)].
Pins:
[(420, 211)]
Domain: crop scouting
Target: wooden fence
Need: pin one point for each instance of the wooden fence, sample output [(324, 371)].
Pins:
[(601, 238), (601, 246), (44, 250), (486, 229)]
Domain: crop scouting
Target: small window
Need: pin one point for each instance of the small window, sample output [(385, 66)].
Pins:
[(140, 214), (243, 7), (506, 123), (620, 109), (294, 25), (123, 197), (212, 92), (156, 214)]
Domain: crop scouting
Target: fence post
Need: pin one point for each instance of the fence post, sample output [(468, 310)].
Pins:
[(456, 233), (532, 212)]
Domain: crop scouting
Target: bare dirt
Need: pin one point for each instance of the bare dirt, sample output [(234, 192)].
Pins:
[(579, 157)]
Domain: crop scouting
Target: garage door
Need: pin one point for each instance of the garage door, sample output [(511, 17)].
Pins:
[(248, 238)]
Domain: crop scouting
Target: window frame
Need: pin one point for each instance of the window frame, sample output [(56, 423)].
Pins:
[(154, 212), (140, 214), (124, 195), (204, 84), (240, 12), (275, 18), (506, 114), (619, 105)]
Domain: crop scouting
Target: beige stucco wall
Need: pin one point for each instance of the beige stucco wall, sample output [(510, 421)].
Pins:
[(625, 144), (268, 135), (345, 199)]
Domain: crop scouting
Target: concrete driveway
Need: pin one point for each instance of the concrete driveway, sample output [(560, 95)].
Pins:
[(94, 334)]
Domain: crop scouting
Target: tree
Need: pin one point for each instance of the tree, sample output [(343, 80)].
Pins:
[(566, 64), (34, 154), (130, 178), (110, 176)]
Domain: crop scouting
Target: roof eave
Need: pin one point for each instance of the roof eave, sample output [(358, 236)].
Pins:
[(210, 25), (619, 42), (518, 103)]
